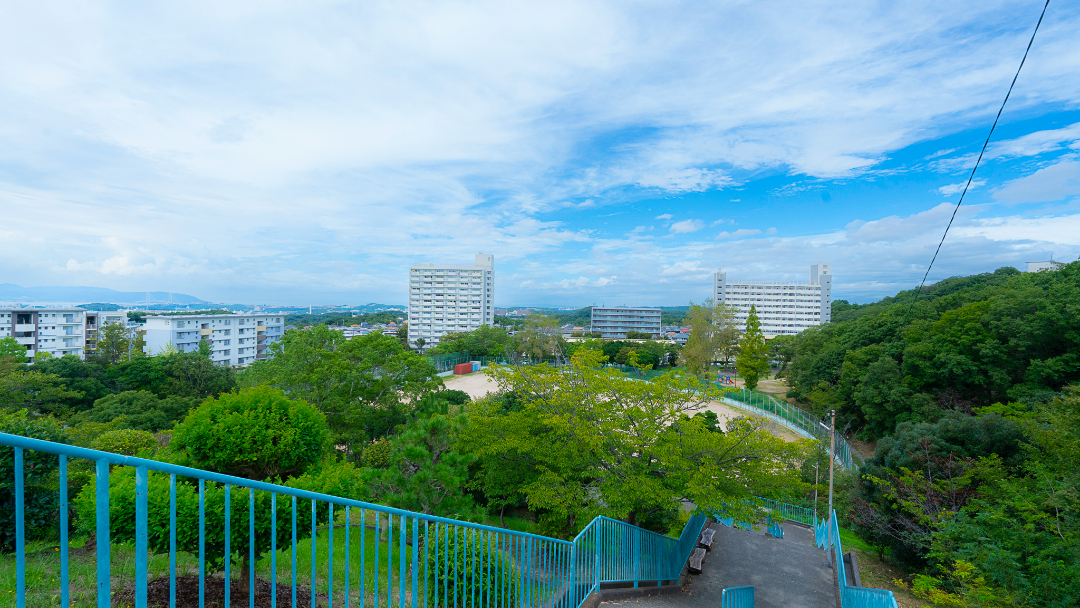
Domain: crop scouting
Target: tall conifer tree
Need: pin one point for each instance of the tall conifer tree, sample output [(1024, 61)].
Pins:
[(752, 362)]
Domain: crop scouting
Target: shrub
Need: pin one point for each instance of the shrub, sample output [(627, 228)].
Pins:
[(40, 494), (257, 433), (126, 442)]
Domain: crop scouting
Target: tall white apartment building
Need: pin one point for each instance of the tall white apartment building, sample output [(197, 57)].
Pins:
[(450, 299), (57, 331), (234, 339), (783, 308)]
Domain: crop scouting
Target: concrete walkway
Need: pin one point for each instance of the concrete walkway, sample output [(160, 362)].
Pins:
[(788, 573)]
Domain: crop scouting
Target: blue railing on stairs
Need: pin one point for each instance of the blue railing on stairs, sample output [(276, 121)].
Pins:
[(401, 558), (853, 597), (737, 597)]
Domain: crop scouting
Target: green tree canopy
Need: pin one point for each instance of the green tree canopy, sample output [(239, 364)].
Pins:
[(363, 385), (714, 336), (140, 410), (606, 443), (257, 433), (483, 341)]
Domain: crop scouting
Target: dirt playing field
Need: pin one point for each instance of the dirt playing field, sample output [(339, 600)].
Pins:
[(479, 384)]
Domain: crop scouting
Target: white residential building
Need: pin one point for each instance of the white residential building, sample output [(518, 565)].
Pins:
[(450, 299), (57, 331), (234, 339), (1040, 266), (784, 308)]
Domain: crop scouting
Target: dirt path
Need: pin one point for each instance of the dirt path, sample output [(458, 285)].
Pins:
[(477, 385)]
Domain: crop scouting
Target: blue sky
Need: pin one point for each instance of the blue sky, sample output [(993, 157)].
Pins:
[(604, 152)]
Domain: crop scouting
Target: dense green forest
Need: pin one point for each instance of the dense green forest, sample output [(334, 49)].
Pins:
[(969, 396), (1003, 339)]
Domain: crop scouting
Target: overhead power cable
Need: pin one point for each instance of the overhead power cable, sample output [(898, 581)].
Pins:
[(977, 161)]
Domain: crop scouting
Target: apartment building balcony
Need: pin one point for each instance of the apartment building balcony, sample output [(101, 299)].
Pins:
[(205, 332), (25, 327), (26, 340)]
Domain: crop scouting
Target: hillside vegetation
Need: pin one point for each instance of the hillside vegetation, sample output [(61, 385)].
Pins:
[(1006, 340)]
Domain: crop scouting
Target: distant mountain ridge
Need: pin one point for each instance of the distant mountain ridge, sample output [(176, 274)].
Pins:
[(9, 292)]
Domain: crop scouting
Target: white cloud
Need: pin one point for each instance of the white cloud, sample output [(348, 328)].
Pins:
[(665, 216), (687, 226), (284, 152), (1053, 183), (721, 221), (741, 232), (952, 189)]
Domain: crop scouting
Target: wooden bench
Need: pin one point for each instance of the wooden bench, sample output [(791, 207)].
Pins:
[(706, 540), (694, 563)]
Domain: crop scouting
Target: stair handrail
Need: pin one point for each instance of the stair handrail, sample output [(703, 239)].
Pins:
[(535, 571)]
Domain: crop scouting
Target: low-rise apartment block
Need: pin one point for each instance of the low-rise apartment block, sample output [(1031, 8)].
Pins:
[(450, 299), (234, 339), (614, 322), (57, 331), (784, 308)]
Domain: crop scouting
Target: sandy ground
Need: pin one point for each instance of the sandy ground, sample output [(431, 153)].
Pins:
[(476, 384), (479, 384)]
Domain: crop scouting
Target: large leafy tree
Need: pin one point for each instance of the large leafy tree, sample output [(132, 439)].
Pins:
[(176, 374), (752, 361), (484, 341), (606, 443), (714, 336), (118, 343), (363, 385)]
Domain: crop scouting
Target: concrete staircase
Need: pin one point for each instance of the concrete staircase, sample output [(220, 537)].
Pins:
[(788, 573)]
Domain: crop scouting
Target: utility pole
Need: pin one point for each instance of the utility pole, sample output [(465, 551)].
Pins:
[(832, 461)]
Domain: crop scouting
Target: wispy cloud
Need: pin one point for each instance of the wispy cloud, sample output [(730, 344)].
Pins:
[(741, 232), (957, 188), (687, 226)]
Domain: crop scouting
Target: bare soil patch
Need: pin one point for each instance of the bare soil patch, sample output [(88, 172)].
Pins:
[(187, 593)]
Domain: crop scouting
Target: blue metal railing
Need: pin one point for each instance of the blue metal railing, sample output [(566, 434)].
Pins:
[(775, 529), (792, 417), (853, 597), (782, 511), (737, 597), (611, 551), (441, 561)]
